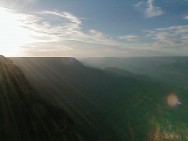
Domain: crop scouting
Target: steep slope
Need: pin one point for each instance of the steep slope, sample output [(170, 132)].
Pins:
[(23, 115), (105, 106), (67, 82)]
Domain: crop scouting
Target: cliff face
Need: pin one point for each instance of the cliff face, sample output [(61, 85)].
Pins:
[(23, 115)]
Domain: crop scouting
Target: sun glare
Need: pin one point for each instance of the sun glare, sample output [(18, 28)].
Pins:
[(12, 34)]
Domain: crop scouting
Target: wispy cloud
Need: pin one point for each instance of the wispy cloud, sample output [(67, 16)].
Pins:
[(150, 10), (49, 30), (185, 17), (128, 37), (67, 27), (171, 36), (101, 38), (166, 37), (64, 14)]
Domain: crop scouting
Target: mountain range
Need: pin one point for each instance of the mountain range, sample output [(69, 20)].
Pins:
[(108, 103)]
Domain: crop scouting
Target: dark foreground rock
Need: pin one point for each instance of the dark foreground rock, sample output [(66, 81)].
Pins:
[(26, 117)]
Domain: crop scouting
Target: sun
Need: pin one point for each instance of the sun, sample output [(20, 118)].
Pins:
[(12, 34)]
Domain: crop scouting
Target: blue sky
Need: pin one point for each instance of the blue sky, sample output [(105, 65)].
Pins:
[(84, 28)]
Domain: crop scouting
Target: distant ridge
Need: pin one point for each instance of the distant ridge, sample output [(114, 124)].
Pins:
[(23, 115)]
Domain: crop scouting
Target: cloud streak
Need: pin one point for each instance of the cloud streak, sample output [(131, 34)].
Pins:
[(128, 37), (63, 14), (68, 27)]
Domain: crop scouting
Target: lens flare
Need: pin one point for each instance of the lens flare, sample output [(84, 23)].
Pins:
[(172, 100)]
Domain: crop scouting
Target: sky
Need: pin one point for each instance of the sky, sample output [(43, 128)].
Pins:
[(94, 28)]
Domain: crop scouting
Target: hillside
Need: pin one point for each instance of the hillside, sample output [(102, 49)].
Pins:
[(24, 115), (106, 106)]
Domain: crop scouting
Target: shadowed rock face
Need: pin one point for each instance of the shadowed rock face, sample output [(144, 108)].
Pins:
[(24, 116)]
